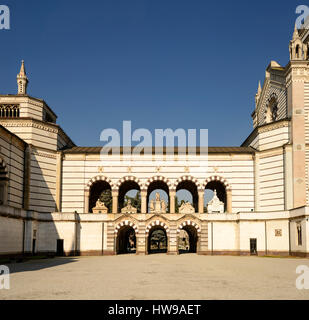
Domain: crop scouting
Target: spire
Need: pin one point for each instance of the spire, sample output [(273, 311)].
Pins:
[(259, 88), (22, 80), (22, 72), (295, 33), (258, 94)]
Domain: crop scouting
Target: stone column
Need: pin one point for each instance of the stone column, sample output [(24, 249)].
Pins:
[(141, 240), (143, 201), (172, 200), (86, 201), (201, 201), (172, 239), (115, 201), (229, 201)]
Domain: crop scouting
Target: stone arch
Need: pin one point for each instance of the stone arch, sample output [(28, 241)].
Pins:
[(126, 223), (189, 223), (188, 240), (184, 178), (90, 183), (157, 237), (123, 186), (158, 178), (217, 178), (271, 108), (157, 223), (191, 185), (127, 178), (99, 178)]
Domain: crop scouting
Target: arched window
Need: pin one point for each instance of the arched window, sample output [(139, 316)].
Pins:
[(158, 197), (213, 189), (9, 111), (100, 190), (272, 109), (297, 51), (129, 199)]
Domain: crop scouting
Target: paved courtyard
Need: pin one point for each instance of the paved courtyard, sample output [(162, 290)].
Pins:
[(157, 276)]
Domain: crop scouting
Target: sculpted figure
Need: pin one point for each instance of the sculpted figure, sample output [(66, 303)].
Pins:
[(215, 205), (100, 207), (186, 207), (129, 208)]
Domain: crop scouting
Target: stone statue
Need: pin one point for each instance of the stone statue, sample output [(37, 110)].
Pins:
[(186, 207), (100, 207), (151, 206), (215, 205), (129, 208), (157, 205)]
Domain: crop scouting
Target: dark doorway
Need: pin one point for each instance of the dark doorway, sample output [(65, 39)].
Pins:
[(187, 240), (157, 240), (60, 251), (126, 240), (33, 246), (253, 247)]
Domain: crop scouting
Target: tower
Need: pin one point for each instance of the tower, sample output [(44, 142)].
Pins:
[(298, 50), (22, 80)]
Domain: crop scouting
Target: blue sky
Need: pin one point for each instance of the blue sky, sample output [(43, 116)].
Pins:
[(160, 63)]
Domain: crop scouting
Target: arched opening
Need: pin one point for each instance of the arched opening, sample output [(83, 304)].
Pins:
[(220, 190), (297, 51), (272, 110), (100, 190), (186, 191), (157, 240), (158, 197), (187, 240), (126, 240), (3, 183), (129, 193)]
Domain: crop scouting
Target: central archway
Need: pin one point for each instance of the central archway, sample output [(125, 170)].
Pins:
[(187, 240), (126, 240), (157, 240)]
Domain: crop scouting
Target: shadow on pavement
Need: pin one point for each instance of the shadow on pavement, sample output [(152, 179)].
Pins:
[(38, 264)]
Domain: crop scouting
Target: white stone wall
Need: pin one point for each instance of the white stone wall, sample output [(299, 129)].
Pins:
[(271, 181), (11, 235), (78, 170), (43, 181)]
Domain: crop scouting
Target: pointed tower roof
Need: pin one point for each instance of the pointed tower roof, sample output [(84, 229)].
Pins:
[(259, 88), (295, 33), (22, 72)]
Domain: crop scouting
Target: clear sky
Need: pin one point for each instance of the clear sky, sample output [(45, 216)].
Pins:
[(159, 63)]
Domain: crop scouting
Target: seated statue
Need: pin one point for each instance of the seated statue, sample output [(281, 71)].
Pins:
[(128, 208), (215, 205), (186, 207), (100, 207)]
